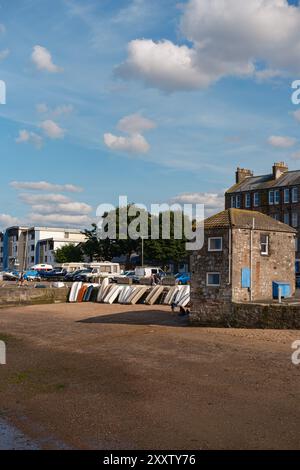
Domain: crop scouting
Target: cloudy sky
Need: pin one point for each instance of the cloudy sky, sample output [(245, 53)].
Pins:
[(158, 100)]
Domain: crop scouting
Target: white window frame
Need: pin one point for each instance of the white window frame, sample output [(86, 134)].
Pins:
[(271, 197), (294, 199), (256, 203), (213, 274), (233, 202), (266, 252), (286, 196), (238, 201), (276, 197), (215, 238), (247, 200)]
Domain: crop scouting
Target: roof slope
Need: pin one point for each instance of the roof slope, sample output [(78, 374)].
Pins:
[(252, 183), (239, 218)]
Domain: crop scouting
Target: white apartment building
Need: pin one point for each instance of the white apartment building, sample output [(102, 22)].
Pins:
[(23, 247)]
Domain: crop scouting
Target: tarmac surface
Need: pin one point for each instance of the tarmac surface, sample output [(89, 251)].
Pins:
[(94, 376)]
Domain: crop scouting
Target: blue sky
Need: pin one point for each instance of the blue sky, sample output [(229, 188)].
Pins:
[(159, 100)]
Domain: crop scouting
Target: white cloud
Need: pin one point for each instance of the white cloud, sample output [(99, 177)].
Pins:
[(7, 221), (29, 198), (59, 219), (45, 186), (228, 38), (42, 58), (60, 110), (281, 141), (133, 125), (29, 137), (4, 53), (132, 144), (52, 129), (41, 108), (70, 208), (213, 202)]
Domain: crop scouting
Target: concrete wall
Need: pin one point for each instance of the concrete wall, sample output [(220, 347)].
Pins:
[(242, 315), (30, 296)]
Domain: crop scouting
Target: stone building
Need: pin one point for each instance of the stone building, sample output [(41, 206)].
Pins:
[(276, 194), (243, 253)]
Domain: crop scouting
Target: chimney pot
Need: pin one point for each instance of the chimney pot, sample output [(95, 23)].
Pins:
[(242, 174)]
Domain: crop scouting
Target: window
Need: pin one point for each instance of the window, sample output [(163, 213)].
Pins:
[(256, 199), (297, 266), (215, 244), (296, 244), (32, 247), (248, 200), (295, 195), (276, 216), (277, 196), (271, 197), (213, 279), (294, 219), (238, 202), (264, 244), (67, 235), (286, 196), (232, 201), (32, 259), (286, 218)]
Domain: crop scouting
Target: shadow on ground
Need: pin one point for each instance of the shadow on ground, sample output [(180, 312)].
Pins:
[(140, 317)]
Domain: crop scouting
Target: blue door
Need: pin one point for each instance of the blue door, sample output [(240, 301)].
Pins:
[(246, 278)]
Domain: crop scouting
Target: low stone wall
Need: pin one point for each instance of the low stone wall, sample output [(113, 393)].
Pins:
[(246, 315), (10, 296)]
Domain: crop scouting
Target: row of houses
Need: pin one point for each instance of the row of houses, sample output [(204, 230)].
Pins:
[(22, 247)]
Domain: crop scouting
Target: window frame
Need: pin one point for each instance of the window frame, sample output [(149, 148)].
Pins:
[(289, 218), (286, 200), (247, 200), (238, 201), (271, 197), (256, 203), (213, 274), (211, 250), (295, 199), (295, 214), (232, 202), (266, 243), (276, 197)]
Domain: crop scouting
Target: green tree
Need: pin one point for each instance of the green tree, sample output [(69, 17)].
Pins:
[(69, 254)]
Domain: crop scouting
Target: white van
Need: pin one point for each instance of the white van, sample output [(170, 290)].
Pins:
[(106, 268), (71, 267), (149, 271)]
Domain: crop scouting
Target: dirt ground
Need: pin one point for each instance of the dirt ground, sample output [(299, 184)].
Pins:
[(93, 376)]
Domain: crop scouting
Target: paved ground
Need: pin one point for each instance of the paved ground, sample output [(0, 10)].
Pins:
[(95, 376)]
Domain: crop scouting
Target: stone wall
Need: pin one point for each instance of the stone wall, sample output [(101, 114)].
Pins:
[(243, 315), (30, 296), (278, 265)]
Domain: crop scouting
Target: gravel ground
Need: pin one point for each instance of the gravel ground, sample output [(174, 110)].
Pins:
[(93, 376)]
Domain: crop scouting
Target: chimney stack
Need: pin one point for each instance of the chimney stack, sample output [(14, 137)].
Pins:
[(241, 174), (279, 169)]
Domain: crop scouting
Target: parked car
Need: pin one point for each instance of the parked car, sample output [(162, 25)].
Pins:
[(126, 274), (69, 277), (9, 276), (82, 275), (183, 278), (57, 274), (32, 275), (148, 272)]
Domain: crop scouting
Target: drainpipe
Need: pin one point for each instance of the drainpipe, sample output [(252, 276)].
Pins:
[(251, 260), (229, 256)]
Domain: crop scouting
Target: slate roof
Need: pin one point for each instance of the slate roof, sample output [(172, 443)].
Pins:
[(255, 183), (239, 218)]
